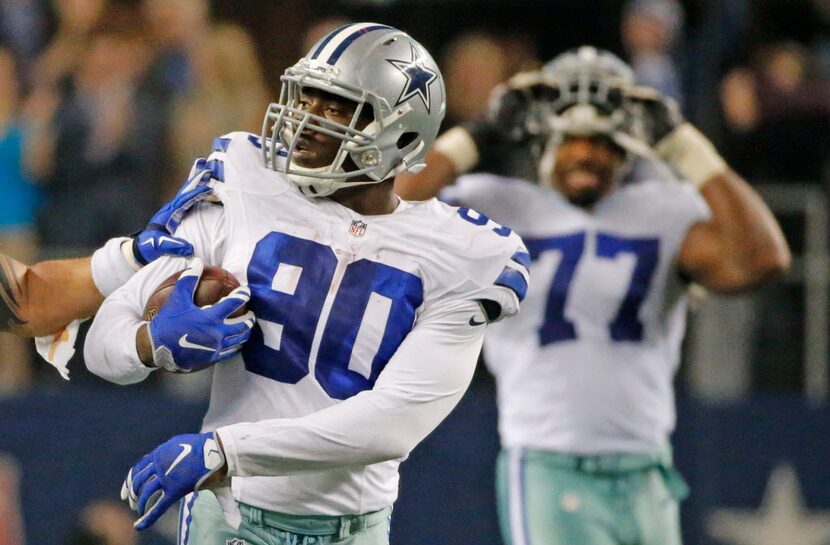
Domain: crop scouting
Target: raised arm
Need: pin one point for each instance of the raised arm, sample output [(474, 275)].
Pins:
[(741, 246)]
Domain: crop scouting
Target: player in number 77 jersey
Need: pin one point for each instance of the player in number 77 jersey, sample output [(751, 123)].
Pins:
[(370, 310), (584, 374)]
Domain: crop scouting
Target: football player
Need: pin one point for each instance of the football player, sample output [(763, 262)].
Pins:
[(584, 374), (370, 310), (43, 298)]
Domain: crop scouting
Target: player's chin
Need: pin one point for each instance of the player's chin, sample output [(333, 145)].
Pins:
[(308, 159), (584, 198)]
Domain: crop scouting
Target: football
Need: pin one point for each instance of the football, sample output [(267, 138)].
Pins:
[(215, 283)]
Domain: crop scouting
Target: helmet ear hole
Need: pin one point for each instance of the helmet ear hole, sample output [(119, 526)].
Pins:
[(406, 139)]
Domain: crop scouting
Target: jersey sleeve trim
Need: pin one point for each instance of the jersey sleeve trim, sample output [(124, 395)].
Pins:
[(510, 288), (217, 169), (220, 144), (522, 258), (516, 274), (514, 281)]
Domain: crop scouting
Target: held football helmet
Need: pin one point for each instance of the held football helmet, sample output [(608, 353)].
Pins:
[(590, 95), (379, 68)]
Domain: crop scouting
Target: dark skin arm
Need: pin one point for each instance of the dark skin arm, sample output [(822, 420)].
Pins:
[(741, 247), (43, 298)]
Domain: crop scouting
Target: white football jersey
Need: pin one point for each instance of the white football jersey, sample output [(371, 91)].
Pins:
[(367, 331), (587, 367)]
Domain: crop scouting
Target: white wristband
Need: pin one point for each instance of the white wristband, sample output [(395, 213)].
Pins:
[(691, 154), (458, 146), (110, 266)]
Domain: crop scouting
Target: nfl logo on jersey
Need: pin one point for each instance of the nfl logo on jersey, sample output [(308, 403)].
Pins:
[(357, 228)]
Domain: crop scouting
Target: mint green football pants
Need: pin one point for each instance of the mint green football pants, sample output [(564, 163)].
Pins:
[(548, 498), (201, 522)]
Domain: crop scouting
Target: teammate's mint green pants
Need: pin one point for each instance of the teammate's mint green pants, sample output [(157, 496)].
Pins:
[(201, 522), (548, 498)]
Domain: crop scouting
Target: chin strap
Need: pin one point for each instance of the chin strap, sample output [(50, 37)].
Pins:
[(316, 187)]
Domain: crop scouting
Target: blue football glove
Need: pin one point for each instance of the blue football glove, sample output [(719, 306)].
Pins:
[(155, 240), (186, 337), (170, 472)]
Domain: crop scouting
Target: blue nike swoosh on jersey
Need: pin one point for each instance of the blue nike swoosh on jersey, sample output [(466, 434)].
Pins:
[(474, 323)]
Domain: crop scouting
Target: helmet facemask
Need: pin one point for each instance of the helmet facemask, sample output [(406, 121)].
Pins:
[(589, 99), (586, 120), (381, 70), (285, 121)]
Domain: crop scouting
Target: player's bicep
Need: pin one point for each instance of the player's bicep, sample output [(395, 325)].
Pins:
[(701, 255)]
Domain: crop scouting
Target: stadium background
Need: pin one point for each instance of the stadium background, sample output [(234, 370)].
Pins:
[(753, 435)]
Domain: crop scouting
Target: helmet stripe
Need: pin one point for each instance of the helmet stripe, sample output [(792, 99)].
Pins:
[(351, 38), (329, 38)]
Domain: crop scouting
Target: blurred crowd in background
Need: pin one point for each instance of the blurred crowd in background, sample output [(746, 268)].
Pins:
[(104, 104)]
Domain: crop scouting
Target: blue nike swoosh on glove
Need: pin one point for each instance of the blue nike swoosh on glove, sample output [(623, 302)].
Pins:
[(184, 343), (162, 239), (186, 449), (168, 473)]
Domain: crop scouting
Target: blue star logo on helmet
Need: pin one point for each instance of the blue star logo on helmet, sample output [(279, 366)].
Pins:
[(418, 78)]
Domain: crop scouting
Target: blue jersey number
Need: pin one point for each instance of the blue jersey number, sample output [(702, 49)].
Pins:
[(477, 218), (373, 310), (626, 325)]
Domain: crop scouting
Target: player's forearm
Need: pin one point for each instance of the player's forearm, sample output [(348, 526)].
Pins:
[(110, 350), (43, 298), (752, 247), (367, 429), (412, 396)]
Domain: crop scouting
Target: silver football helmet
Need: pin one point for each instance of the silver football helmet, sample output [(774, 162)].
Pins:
[(591, 97), (379, 68)]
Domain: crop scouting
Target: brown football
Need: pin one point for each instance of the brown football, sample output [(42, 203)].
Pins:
[(215, 283)]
